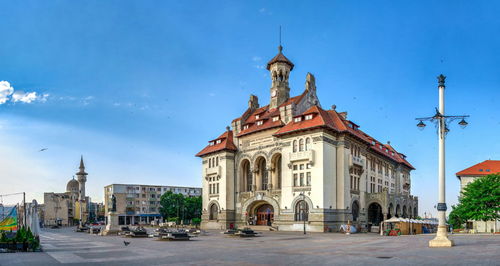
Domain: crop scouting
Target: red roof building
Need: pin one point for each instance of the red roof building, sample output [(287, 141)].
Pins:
[(256, 172)]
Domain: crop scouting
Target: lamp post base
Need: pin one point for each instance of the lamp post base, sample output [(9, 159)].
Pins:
[(441, 240)]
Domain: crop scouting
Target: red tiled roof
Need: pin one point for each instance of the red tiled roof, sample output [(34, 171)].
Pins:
[(265, 116), (330, 119), (485, 168), (281, 59), (226, 143)]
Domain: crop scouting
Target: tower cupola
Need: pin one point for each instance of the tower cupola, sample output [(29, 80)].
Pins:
[(279, 68)]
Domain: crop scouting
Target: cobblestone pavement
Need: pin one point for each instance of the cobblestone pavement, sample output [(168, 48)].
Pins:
[(63, 246)]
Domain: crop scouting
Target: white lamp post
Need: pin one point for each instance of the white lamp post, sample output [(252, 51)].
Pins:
[(441, 239)]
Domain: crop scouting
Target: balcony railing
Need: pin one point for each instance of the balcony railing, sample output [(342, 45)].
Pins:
[(302, 155), (213, 170), (355, 160)]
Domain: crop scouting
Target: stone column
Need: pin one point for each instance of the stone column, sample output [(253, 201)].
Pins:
[(340, 173)]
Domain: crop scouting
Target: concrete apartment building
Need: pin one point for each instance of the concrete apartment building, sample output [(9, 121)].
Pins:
[(139, 204), (293, 161)]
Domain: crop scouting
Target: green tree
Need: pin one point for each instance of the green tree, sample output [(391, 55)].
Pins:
[(193, 207), (172, 206), (480, 199), (456, 217)]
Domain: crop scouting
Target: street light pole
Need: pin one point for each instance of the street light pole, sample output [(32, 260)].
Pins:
[(441, 239), (304, 211)]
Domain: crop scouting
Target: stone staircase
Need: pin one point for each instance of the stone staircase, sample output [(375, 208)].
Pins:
[(262, 228)]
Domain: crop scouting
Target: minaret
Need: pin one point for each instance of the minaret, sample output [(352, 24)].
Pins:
[(82, 178), (279, 68)]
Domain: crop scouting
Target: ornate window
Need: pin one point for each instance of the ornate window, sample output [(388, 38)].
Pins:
[(301, 211), (308, 144), (301, 145), (264, 174), (247, 172), (214, 212), (294, 146)]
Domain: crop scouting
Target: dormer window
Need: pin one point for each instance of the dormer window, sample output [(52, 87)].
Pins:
[(245, 127), (373, 142), (218, 141), (297, 119), (260, 122), (211, 143), (276, 118), (257, 116), (350, 125), (308, 117)]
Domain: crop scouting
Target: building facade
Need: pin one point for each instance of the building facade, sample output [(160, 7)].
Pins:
[(140, 204), (64, 208), (470, 174), (292, 160)]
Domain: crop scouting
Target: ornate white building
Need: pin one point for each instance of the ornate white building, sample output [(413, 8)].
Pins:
[(292, 160)]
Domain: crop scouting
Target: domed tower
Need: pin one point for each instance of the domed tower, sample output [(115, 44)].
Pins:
[(73, 186), (279, 68), (82, 178)]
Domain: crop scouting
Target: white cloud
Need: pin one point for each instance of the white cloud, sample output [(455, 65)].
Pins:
[(256, 58), (264, 11), (5, 91), (25, 97)]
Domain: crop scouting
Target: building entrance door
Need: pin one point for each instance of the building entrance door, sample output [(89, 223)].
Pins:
[(265, 215)]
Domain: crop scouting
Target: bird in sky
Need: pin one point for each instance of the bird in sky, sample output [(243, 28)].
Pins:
[(44, 149), (126, 243)]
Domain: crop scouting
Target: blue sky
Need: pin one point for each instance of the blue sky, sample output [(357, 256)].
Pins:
[(138, 87)]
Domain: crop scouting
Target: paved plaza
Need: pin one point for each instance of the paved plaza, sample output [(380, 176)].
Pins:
[(62, 246)]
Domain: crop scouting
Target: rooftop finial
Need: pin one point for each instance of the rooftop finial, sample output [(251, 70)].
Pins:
[(280, 48), (81, 163), (441, 79), (228, 128)]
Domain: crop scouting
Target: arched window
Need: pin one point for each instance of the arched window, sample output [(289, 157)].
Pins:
[(264, 174), (278, 168), (294, 146), (301, 211), (308, 144), (216, 161), (248, 176), (301, 145), (209, 162), (214, 212)]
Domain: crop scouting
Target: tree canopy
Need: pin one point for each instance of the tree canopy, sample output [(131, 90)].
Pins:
[(480, 201), (176, 206)]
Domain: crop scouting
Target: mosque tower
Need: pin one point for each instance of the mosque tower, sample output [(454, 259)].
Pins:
[(82, 178)]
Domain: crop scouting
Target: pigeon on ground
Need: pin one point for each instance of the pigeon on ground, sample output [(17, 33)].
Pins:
[(126, 243)]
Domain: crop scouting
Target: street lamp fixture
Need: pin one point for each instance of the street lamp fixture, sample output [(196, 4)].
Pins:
[(463, 123), (421, 125), (442, 121)]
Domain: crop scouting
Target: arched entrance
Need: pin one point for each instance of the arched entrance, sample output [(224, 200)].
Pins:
[(404, 212), (355, 211), (398, 211), (389, 211), (375, 215), (265, 215)]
